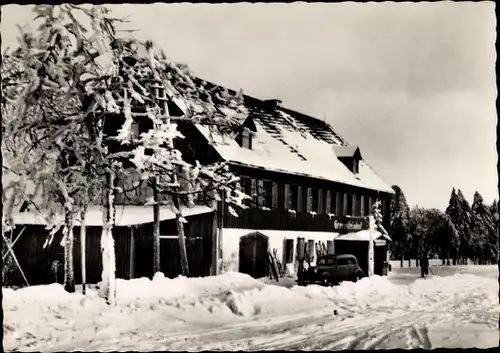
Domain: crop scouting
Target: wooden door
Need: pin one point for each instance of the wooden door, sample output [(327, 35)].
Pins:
[(253, 255)]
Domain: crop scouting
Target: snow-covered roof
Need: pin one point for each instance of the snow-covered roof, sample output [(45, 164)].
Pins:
[(125, 215), (346, 151), (281, 147), (291, 142), (362, 235)]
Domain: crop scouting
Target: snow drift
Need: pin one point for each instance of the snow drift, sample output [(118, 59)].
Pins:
[(48, 318)]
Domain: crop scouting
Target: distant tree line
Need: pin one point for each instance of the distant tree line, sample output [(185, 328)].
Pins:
[(459, 234)]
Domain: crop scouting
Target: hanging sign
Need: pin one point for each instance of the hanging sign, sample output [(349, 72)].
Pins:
[(380, 242)]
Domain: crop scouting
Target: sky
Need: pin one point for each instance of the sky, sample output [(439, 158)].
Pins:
[(412, 84)]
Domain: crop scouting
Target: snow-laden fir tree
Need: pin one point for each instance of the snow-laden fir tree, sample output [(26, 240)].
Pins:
[(483, 231), (460, 214), (400, 213)]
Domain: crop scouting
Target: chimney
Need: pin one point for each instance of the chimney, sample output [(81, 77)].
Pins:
[(272, 103)]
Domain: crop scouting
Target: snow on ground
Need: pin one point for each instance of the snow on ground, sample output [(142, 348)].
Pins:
[(234, 311)]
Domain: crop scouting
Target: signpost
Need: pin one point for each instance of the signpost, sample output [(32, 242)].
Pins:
[(371, 231)]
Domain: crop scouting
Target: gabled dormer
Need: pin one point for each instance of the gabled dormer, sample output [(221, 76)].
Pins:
[(246, 134), (349, 156)]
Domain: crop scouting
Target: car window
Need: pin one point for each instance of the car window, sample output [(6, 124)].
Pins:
[(346, 261), (342, 261), (326, 261)]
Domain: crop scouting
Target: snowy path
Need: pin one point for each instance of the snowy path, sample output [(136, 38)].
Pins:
[(456, 311), (378, 328)]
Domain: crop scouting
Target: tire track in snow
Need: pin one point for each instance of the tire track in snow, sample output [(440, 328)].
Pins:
[(321, 332), (418, 336)]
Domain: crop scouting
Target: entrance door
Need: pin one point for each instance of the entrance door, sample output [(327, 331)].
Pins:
[(253, 255)]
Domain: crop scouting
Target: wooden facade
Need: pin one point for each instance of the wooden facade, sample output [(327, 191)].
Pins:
[(133, 247), (334, 206)]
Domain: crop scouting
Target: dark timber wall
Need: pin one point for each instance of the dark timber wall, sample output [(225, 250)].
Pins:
[(133, 247)]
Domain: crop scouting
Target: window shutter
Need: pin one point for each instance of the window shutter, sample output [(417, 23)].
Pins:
[(320, 201), (287, 197), (299, 199), (309, 200), (275, 195), (362, 205), (260, 193), (370, 205), (328, 208), (353, 205)]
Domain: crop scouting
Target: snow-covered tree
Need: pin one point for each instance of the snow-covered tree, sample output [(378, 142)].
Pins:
[(483, 231), (69, 83), (460, 214), (400, 213)]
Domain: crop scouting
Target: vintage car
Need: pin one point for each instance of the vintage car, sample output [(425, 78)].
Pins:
[(331, 270)]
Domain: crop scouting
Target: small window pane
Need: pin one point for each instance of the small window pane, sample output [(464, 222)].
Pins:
[(343, 261)]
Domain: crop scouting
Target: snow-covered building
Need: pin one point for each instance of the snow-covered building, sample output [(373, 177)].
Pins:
[(305, 180)]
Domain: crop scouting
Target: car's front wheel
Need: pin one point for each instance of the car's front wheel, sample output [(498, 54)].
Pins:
[(326, 281)]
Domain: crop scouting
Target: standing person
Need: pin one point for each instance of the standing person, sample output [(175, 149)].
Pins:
[(424, 265)]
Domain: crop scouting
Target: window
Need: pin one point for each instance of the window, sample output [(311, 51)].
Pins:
[(339, 204), (355, 166), (288, 251), (343, 261), (314, 200), (310, 248), (370, 204), (348, 205), (268, 195), (246, 139), (260, 193), (328, 202), (300, 206), (366, 205), (333, 202), (309, 200), (255, 199), (357, 207), (329, 247), (293, 197), (321, 201), (246, 188), (327, 261)]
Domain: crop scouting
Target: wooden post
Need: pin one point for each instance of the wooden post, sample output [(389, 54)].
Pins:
[(131, 272), (214, 267), (220, 251), (371, 231), (83, 254), (156, 226)]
